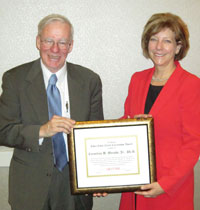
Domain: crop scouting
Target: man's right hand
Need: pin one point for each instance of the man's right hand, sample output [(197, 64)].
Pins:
[(55, 125)]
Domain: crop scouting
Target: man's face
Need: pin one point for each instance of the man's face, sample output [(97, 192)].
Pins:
[(54, 45)]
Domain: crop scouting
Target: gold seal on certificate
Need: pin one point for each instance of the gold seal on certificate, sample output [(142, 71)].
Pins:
[(111, 155)]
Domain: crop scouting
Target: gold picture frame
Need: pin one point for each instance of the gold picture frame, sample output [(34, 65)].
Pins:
[(111, 155)]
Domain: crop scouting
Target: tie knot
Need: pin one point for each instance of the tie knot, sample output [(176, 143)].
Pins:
[(53, 79)]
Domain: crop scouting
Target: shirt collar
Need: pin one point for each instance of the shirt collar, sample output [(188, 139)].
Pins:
[(61, 73)]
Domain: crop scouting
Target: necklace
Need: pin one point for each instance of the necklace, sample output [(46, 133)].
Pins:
[(158, 79)]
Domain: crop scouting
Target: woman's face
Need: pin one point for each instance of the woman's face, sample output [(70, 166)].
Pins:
[(162, 48)]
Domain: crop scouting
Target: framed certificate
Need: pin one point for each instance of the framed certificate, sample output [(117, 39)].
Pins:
[(111, 155)]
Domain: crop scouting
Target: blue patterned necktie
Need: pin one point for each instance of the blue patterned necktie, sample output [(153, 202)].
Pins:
[(54, 105)]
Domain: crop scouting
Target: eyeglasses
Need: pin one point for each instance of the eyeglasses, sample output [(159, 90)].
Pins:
[(62, 44)]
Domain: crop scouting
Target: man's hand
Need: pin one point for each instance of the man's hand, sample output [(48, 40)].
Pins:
[(55, 125), (100, 194), (150, 190)]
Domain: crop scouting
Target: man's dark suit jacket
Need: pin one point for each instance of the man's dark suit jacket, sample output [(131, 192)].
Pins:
[(23, 109)]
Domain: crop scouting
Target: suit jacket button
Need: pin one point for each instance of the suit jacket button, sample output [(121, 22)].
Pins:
[(28, 149), (48, 174)]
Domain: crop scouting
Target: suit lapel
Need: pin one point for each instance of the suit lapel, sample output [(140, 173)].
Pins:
[(75, 88), (36, 92)]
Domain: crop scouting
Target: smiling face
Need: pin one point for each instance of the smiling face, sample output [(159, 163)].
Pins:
[(54, 45), (162, 48)]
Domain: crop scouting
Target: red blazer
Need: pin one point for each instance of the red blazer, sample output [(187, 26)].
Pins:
[(176, 114)]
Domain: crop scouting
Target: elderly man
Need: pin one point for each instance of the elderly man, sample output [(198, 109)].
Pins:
[(39, 105)]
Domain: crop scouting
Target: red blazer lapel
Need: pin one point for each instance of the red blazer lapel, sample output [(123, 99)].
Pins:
[(167, 91), (137, 93)]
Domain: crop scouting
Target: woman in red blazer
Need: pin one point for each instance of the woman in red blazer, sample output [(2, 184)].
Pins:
[(171, 96)]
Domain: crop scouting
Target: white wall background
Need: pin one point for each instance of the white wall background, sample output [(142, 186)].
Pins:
[(107, 40), (107, 37)]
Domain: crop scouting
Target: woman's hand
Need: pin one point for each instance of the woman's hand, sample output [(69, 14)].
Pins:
[(142, 116), (150, 190)]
